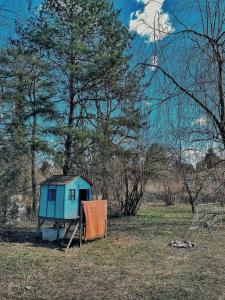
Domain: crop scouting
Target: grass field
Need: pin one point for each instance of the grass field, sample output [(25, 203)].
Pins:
[(135, 262)]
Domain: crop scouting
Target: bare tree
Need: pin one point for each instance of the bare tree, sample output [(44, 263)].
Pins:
[(190, 62)]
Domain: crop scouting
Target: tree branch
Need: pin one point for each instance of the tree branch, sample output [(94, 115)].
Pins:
[(188, 93)]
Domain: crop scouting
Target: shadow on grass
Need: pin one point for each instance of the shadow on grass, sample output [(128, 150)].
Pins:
[(22, 236), (17, 235)]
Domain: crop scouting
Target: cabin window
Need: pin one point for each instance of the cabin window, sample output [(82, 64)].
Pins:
[(72, 195), (52, 194)]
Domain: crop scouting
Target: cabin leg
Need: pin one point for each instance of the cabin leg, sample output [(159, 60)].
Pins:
[(68, 228), (58, 223), (38, 226), (81, 224)]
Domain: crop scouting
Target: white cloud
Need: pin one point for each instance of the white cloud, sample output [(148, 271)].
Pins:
[(152, 21), (200, 121)]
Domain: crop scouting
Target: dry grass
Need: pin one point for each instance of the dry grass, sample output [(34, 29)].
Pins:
[(135, 262)]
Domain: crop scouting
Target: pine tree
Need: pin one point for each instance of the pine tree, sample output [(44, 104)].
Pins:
[(98, 96), (86, 43), (27, 105)]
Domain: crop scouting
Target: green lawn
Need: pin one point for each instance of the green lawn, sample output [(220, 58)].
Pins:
[(134, 262)]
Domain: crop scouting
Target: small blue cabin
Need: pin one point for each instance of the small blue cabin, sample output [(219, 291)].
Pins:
[(60, 196)]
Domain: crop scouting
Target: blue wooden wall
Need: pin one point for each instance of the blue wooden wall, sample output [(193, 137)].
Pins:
[(63, 207), (72, 207), (52, 209)]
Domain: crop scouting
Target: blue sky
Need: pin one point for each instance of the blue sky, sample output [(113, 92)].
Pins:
[(130, 10), (133, 12), (19, 9)]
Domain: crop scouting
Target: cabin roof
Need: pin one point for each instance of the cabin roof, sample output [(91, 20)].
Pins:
[(62, 180)]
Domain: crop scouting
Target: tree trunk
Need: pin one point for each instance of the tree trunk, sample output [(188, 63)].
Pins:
[(69, 142), (68, 153), (69, 139), (192, 206), (222, 132), (33, 166), (34, 181)]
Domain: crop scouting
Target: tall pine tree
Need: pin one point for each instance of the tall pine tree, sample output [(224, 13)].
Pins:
[(85, 43), (27, 92)]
